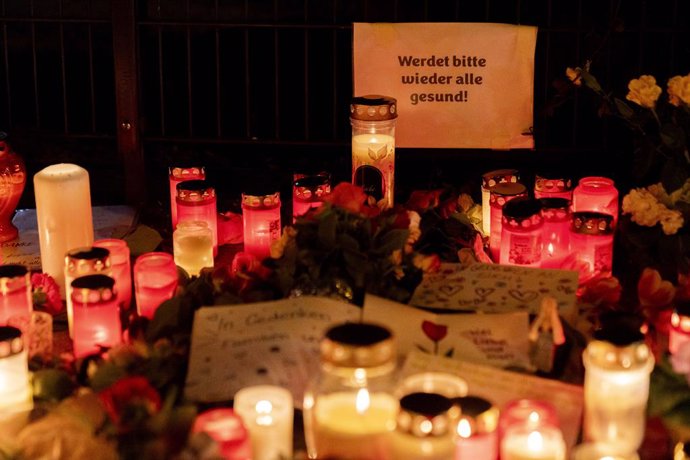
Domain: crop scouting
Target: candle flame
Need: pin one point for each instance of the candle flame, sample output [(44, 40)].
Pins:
[(535, 441), (533, 417), (549, 248), (464, 429), (263, 410), (362, 402)]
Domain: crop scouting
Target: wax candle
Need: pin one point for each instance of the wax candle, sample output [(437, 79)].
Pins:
[(602, 451), (155, 281), (15, 292), (196, 201), (308, 192), (442, 383), (261, 223), (96, 314), (490, 179), (267, 412), (225, 427), (679, 333), (555, 232), (37, 332), (63, 212), (596, 194), (177, 174), (476, 429), (373, 145), (591, 240), (523, 442), (553, 186), (534, 412), (193, 246), (500, 195), (15, 392), (121, 268), (521, 232)]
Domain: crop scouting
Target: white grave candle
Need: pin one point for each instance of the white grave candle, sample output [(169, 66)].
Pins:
[(267, 413), (63, 211)]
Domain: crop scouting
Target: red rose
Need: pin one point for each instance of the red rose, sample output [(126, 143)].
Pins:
[(436, 332), (130, 400), (423, 200), (348, 197)]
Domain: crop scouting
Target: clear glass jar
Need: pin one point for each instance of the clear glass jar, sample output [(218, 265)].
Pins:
[(476, 434), (424, 428), (121, 267), (308, 192), (489, 180), (193, 246), (555, 232), (261, 223), (177, 174), (15, 391), (196, 200), (349, 409), (373, 120), (500, 195), (15, 292), (155, 281), (596, 194), (521, 233), (96, 314), (591, 240), (553, 186)]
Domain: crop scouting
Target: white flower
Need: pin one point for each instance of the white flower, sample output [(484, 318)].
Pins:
[(414, 231), (671, 221)]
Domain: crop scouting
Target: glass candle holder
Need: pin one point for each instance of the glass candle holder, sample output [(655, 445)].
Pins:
[(15, 390), (489, 180), (308, 192), (177, 174), (521, 233), (500, 195), (617, 368), (591, 240), (349, 409), (63, 212), (555, 232), (193, 246), (96, 314), (476, 429), (597, 194), (225, 427), (261, 223), (442, 383), (553, 186), (81, 262), (527, 411), (679, 332), (196, 201), (155, 281), (525, 442), (373, 120), (267, 412), (37, 331), (15, 292), (602, 451), (424, 428), (121, 268)]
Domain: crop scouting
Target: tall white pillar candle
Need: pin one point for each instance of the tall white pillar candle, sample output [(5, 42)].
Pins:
[(63, 210)]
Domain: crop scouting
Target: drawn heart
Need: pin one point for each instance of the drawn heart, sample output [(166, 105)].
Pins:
[(523, 296), (565, 289), (483, 292), (450, 289)]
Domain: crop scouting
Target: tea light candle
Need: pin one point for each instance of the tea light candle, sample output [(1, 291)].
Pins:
[(15, 392), (521, 233), (261, 223), (523, 442), (489, 180), (196, 201), (679, 332), (15, 293), (225, 427), (177, 174), (63, 212), (121, 268), (308, 192), (267, 412), (96, 314), (555, 232), (476, 434), (596, 194), (536, 413), (155, 281)]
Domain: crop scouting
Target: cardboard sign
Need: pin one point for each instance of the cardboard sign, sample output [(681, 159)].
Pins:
[(458, 85), (493, 288), (500, 387), (499, 340)]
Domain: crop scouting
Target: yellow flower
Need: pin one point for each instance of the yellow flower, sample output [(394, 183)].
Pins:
[(465, 202), (574, 75), (679, 90), (278, 246), (644, 91)]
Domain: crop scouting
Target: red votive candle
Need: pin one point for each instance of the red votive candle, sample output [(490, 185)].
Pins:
[(476, 435), (679, 332), (489, 180), (597, 194), (521, 232), (15, 293), (155, 281), (225, 427), (121, 268), (196, 201), (177, 174), (591, 240), (308, 192), (261, 221), (499, 195), (555, 232), (96, 314), (552, 186), (531, 411)]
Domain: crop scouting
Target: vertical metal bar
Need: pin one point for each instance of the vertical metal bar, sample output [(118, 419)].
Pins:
[(35, 67), (276, 73), (190, 117), (63, 72), (91, 80), (8, 85), (334, 53), (487, 9), (161, 88), (247, 85), (306, 73), (219, 130), (127, 99)]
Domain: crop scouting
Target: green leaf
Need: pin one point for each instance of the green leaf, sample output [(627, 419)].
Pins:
[(52, 384), (347, 242), (623, 109), (327, 230), (106, 375), (672, 136), (590, 81), (142, 240), (392, 240), (673, 174)]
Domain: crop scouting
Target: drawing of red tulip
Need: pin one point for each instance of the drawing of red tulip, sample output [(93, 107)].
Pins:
[(435, 332)]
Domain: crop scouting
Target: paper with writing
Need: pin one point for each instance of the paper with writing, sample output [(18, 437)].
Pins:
[(493, 288), (497, 339), (501, 386), (458, 85)]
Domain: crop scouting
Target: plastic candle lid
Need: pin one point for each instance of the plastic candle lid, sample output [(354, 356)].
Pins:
[(479, 412), (373, 107), (13, 271), (552, 182), (499, 176), (358, 345), (93, 289), (592, 223), (425, 414)]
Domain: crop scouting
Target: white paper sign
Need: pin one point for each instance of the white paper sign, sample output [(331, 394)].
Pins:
[(500, 387), (498, 339), (458, 85), (493, 288), (273, 343)]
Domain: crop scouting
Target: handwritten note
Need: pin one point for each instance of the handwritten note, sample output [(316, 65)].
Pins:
[(273, 343), (497, 339), (500, 387), (492, 288)]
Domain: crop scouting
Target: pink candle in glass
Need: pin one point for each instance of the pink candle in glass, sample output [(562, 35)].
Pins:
[(591, 239), (225, 427), (476, 435), (531, 411), (679, 332), (521, 232), (552, 186), (155, 281), (598, 194), (308, 192), (555, 232), (96, 314), (196, 201), (177, 174), (121, 268), (15, 292), (261, 222), (499, 195)]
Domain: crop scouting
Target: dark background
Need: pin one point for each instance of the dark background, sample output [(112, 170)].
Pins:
[(258, 89)]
